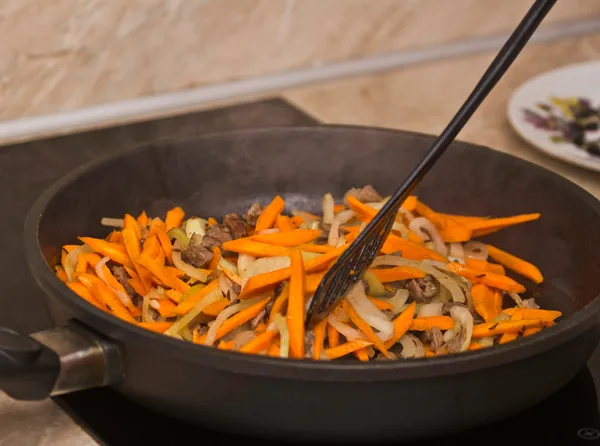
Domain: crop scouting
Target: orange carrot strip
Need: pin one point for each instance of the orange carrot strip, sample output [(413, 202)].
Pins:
[(319, 331), (338, 208), (475, 346), (165, 307), (397, 273), (535, 313), (381, 304), (216, 307), (490, 279), (82, 264), (410, 203), (85, 293), (321, 249), (115, 237), (283, 223), (261, 328), (346, 348), (482, 265), (215, 259), (142, 219), (165, 243), (254, 248), (131, 223), (194, 298), (409, 250), (211, 221), (133, 248), (333, 336), (224, 345), (137, 286), (104, 294), (295, 313), (516, 264), (401, 324), (62, 275), (175, 296), (486, 301), (259, 343), (280, 301), (260, 282), (151, 246), (364, 327), (451, 230), (70, 248), (174, 218), (312, 281), (509, 337), (266, 220), (427, 323), (163, 274), (531, 331), (232, 276), (273, 349), (428, 352), (362, 354), (116, 253), (461, 218), (177, 272), (157, 327), (495, 224), (63, 257), (296, 221), (289, 238), (496, 328)]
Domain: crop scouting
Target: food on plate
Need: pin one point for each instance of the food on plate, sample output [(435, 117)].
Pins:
[(244, 283)]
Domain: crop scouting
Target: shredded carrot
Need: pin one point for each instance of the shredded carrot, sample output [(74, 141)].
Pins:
[(515, 264), (535, 313), (180, 274), (212, 221), (216, 258), (410, 203), (381, 304), (312, 281), (365, 328), (484, 266), (484, 227), (490, 279), (496, 328), (194, 298), (175, 296), (273, 349), (174, 218), (224, 345), (151, 247), (255, 248), (362, 354), (82, 264), (296, 221), (428, 352), (216, 307), (164, 275), (165, 243), (266, 220), (461, 218), (232, 276), (427, 323), (259, 343), (132, 246), (290, 238), (157, 223), (320, 249), (62, 275), (511, 336), (338, 208), (319, 332), (346, 348), (104, 294), (280, 301), (115, 252), (451, 230), (531, 331), (70, 248), (295, 312), (402, 323), (283, 223), (157, 327), (137, 286), (129, 222), (397, 273), (487, 302), (85, 293), (165, 307), (115, 237), (333, 336), (475, 346), (142, 219), (261, 328)]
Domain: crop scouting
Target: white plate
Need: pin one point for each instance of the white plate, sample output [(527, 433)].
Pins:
[(580, 80)]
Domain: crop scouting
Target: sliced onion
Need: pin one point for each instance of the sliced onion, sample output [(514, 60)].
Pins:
[(72, 258), (444, 279), (334, 234), (450, 334), (195, 226), (464, 317), (226, 287), (328, 206), (179, 235), (517, 299), (345, 216), (349, 333), (264, 265), (226, 264), (242, 338), (457, 251), (412, 347), (409, 216), (189, 270), (431, 309), (244, 260), (402, 229), (210, 298), (112, 222), (224, 315), (123, 296), (476, 250), (399, 300), (427, 230), (284, 335), (488, 341), (369, 312), (376, 288), (146, 317)]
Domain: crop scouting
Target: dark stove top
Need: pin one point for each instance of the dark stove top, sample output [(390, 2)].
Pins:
[(569, 417)]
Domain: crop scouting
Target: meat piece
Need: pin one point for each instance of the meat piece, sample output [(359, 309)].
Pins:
[(369, 195), (236, 226), (530, 303), (252, 214), (260, 317), (309, 344), (123, 278), (434, 338), (455, 344), (447, 305), (196, 254), (351, 193), (423, 290), (210, 242), (219, 232)]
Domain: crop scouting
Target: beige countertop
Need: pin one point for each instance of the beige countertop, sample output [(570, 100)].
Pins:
[(420, 98)]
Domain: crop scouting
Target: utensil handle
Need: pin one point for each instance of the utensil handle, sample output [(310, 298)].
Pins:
[(56, 361)]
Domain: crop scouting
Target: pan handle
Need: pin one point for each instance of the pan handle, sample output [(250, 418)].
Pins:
[(56, 361)]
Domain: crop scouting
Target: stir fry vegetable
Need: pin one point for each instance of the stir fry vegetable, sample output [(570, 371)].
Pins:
[(245, 283)]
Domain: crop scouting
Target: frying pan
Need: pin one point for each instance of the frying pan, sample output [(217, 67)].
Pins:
[(302, 399)]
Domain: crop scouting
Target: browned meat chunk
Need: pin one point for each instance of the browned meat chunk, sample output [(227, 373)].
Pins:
[(196, 254), (434, 338), (220, 233), (309, 344), (258, 319), (455, 344), (252, 214), (209, 242), (422, 290), (446, 307), (236, 226), (123, 278), (368, 194)]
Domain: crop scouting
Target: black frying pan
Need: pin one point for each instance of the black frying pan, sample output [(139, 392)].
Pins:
[(293, 399)]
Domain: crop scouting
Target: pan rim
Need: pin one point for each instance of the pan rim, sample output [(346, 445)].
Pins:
[(305, 369)]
